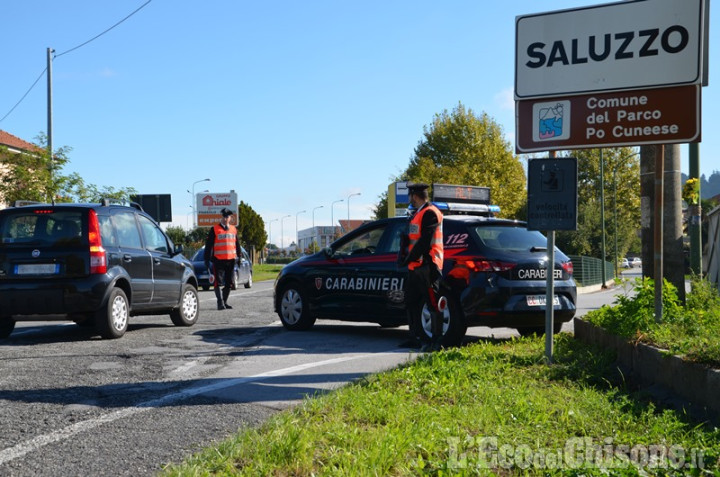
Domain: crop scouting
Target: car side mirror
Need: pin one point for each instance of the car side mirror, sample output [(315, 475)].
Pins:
[(178, 249), (328, 252)]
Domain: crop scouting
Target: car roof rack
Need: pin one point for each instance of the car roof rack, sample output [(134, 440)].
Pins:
[(105, 201), (21, 203)]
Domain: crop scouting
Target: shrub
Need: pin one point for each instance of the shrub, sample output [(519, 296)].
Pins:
[(692, 330)]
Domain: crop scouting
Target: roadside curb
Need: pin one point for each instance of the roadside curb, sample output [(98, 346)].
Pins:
[(657, 369), (595, 288)]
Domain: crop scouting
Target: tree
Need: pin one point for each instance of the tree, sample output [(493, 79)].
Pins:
[(177, 235), (251, 227), (462, 148), (622, 196), (27, 176)]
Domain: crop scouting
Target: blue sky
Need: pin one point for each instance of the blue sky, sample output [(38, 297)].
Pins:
[(294, 105)]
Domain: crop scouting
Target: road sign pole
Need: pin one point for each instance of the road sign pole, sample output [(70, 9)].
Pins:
[(550, 291)]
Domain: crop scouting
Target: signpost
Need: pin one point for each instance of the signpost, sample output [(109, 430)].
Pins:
[(608, 75), (615, 46), (621, 118)]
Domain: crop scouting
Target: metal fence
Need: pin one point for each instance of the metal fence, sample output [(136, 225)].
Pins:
[(588, 270)]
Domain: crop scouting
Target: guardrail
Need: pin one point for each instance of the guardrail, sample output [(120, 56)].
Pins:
[(588, 270)]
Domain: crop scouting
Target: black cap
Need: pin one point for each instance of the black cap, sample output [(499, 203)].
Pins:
[(414, 187), (226, 212)]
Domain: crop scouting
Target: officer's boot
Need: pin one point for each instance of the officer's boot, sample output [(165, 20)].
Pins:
[(220, 301), (226, 295)]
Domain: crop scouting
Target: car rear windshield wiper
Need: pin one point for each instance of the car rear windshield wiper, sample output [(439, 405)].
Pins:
[(538, 249)]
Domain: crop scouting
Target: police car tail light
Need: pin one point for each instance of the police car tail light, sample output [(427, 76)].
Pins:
[(98, 259), (494, 266), (487, 265), (568, 267)]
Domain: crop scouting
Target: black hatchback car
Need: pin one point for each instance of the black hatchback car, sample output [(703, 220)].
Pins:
[(494, 275), (95, 264)]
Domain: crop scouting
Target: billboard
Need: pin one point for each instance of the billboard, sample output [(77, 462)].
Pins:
[(209, 205)]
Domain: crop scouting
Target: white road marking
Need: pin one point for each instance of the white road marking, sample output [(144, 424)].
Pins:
[(31, 445)]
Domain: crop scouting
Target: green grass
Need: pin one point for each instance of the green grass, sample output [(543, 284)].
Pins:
[(266, 271), (691, 329), (490, 408)]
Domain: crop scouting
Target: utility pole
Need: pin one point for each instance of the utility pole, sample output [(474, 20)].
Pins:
[(695, 213), (51, 165)]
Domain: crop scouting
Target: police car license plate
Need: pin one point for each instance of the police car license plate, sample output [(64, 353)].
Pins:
[(37, 269), (539, 300)]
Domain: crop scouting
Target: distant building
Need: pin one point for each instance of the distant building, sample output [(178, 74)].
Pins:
[(323, 236), (15, 145)]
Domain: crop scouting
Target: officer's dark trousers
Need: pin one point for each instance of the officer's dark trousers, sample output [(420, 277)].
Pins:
[(224, 270), (420, 281)]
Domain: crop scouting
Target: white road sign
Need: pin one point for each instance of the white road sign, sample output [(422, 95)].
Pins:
[(626, 45)]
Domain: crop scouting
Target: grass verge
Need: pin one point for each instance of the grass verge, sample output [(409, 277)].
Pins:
[(491, 408), (266, 271), (691, 329)]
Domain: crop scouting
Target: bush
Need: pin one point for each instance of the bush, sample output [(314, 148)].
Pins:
[(692, 330)]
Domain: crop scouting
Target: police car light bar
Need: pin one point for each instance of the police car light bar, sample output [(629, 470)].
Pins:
[(470, 209)]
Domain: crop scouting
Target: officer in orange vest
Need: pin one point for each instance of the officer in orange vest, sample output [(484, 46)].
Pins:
[(221, 246), (424, 259)]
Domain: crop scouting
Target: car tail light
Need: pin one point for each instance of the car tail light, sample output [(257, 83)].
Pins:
[(482, 265), (98, 258), (568, 267)]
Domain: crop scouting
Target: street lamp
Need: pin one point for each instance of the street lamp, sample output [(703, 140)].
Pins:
[(313, 222), (297, 237), (193, 200), (332, 217), (282, 243), (348, 204)]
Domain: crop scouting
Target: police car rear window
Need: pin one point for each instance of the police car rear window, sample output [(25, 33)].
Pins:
[(45, 227), (509, 238)]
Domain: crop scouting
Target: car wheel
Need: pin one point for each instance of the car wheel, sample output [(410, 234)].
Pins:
[(7, 325), (188, 311), (248, 283), (454, 327), (293, 309), (112, 319), (235, 279)]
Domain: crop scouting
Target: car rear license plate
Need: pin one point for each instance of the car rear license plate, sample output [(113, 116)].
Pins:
[(539, 300), (37, 269)]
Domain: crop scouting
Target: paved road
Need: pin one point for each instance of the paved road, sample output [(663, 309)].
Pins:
[(77, 405)]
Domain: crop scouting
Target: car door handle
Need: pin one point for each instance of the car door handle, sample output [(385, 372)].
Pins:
[(127, 257), (156, 261)]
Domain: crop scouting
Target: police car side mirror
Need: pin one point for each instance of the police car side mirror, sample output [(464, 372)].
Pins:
[(328, 252)]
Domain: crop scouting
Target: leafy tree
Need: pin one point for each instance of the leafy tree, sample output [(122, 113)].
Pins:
[(28, 176), (251, 227), (460, 147), (177, 234), (622, 195)]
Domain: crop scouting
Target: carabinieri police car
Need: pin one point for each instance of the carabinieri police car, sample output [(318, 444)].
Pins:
[(494, 275)]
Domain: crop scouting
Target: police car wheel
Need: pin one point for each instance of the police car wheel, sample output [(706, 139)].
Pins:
[(293, 309), (453, 328)]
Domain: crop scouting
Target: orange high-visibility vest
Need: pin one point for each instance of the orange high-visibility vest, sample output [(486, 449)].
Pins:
[(436, 244), (224, 247)]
